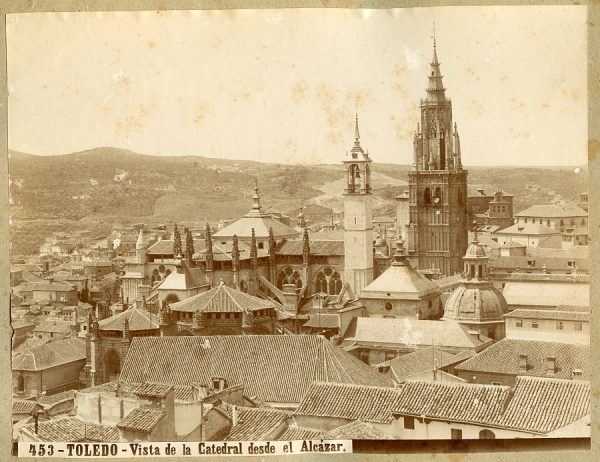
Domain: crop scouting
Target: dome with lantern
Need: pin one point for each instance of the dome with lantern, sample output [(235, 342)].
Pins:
[(476, 303)]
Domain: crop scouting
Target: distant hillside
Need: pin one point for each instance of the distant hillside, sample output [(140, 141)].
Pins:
[(98, 187)]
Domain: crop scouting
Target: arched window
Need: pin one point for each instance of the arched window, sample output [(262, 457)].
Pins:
[(155, 276), (354, 178), (21, 384), (487, 435), (243, 286), (328, 281), (562, 223), (288, 276), (167, 272), (112, 365), (171, 298), (427, 196)]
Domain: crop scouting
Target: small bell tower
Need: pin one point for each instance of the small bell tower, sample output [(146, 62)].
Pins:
[(358, 217)]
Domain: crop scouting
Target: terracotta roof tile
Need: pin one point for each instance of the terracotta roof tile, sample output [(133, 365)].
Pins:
[(188, 278), (503, 358), (453, 401), (50, 400), (50, 355), (348, 401), (23, 406), (222, 299), (317, 247), (325, 321), (298, 433), (419, 361), (545, 405), (356, 430), (142, 419), (549, 211), (275, 368), (549, 314), (53, 325), (153, 390), (139, 319), (254, 424), (73, 429)]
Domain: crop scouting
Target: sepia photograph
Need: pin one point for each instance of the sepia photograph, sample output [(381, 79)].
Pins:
[(270, 231)]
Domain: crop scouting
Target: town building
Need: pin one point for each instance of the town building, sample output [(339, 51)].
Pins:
[(531, 235), (544, 291), (437, 231), (49, 368), (504, 361), (566, 218), (376, 340), (569, 324), (492, 210)]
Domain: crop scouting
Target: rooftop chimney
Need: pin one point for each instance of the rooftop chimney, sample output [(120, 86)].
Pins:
[(234, 416), (522, 363)]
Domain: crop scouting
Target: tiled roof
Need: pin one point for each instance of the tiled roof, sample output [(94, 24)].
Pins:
[(325, 321), (153, 390), (503, 358), (139, 319), (430, 376), (545, 405), (142, 419), (222, 298), (298, 433), (50, 400), (324, 247), (72, 429), (276, 368), (551, 263), (224, 251), (453, 401), (254, 424), (348, 401), (23, 406), (51, 286), (533, 293), (419, 361), (54, 325), (261, 223), (356, 430), (528, 229), (165, 247), (540, 277), (549, 211), (188, 278), (50, 355), (581, 308), (98, 263), (412, 332), (402, 282), (549, 314)]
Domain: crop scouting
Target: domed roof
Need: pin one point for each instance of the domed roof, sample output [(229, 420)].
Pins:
[(475, 303), (475, 250)]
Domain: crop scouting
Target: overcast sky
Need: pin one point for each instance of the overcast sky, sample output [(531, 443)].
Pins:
[(282, 85)]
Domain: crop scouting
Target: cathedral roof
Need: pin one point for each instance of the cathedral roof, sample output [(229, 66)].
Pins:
[(325, 247), (475, 302), (222, 299), (400, 282), (258, 220), (188, 278), (138, 318)]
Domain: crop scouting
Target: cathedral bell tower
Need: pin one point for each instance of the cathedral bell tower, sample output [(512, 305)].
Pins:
[(358, 215), (437, 228)]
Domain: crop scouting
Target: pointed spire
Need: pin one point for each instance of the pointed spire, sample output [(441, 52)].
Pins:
[(356, 149), (235, 254), (301, 219), (126, 336), (305, 248), (253, 251), (256, 198), (272, 243), (457, 153), (435, 89), (176, 242), (141, 243), (209, 249)]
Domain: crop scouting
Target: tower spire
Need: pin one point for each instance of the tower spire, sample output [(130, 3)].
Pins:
[(435, 89), (357, 148)]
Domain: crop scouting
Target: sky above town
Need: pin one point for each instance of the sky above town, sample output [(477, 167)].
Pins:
[(283, 85)]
